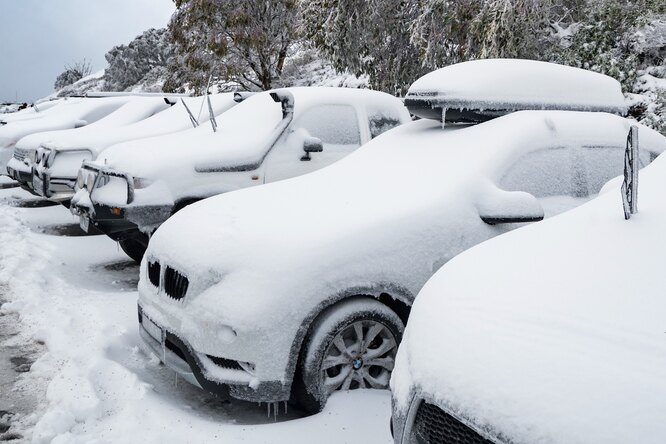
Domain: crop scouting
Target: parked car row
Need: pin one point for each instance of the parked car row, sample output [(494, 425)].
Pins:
[(301, 287)]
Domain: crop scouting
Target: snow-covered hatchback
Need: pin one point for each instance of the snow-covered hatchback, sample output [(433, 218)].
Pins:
[(302, 287), (133, 187), (551, 334)]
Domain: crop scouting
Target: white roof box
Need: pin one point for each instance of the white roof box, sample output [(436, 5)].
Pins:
[(479, 90)]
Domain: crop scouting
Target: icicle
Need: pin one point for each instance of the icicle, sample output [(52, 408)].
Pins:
[(443, 117), (268, 413), (275, 409), (285, 407)]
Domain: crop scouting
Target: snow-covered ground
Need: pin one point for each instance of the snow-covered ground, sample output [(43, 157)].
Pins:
[(69, 305)]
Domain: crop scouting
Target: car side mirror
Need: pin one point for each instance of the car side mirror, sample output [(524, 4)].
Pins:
[(80, 123), (508, 207), (311, 145)]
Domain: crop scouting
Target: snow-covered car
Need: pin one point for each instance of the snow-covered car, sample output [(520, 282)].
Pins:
[(59, 156), (302, 287), (71, 114), (31, 112), (133, 187), (550, 334), (75, 143)]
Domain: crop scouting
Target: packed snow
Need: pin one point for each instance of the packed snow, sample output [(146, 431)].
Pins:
[(95, 383), (553, 333)]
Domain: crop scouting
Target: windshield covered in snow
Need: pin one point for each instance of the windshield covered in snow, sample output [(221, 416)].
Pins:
[(254, 118)]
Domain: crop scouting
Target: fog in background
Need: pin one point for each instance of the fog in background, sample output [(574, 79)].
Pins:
[(39, 37)]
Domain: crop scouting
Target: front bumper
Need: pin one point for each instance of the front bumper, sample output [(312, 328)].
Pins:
[(20, 171), (220, 376), (121, 223), (427, 422), (53, 188)]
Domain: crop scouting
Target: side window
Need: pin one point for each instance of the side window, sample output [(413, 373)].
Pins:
[(332, 124), (382, 120), (544, 173), (603, 163)]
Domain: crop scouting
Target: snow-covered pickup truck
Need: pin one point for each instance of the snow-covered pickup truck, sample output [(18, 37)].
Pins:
[(299, 288), (59, 157), (550, 334), (74, 113), (132, 188)]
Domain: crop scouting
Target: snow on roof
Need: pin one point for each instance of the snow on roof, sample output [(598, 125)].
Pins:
[(512, 84), (242, 137), (553, 332)]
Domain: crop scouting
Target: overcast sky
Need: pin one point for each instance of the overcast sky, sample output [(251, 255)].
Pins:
[(38, 37)]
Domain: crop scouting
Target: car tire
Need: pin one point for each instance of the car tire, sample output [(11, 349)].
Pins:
[(337, 355), (133, 248)]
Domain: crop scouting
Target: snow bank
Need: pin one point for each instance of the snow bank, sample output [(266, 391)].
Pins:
[(77, 295), (553, 333), (512, 84)]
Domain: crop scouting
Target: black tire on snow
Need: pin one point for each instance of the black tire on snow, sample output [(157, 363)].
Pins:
[(133, 248), (308, 392)]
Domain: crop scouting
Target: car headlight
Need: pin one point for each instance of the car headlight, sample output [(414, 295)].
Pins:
[(90, 181), (42, 156), (80, 180)]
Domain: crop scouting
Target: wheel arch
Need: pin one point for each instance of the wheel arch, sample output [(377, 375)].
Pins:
[(182, 203), (396, 298)]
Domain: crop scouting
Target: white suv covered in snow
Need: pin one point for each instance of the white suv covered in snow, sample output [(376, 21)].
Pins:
[(551, 334), (133, 187), (59, 157), (73, 113), (302, 287)]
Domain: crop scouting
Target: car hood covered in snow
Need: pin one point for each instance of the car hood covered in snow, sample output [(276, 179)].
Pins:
[(393, 211), (63, 116), (134, 110), (553, 333), (142, 117)]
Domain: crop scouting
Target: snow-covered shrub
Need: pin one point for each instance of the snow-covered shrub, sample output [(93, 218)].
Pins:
[(72, 74), (92, 82), (139, 62)]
